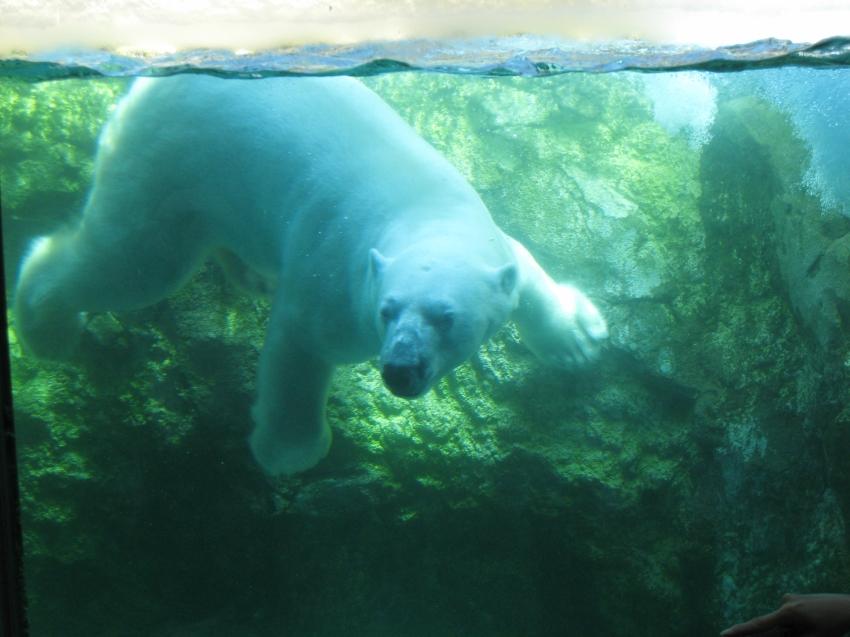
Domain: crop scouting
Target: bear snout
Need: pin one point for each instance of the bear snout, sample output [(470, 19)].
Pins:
[(407, 379)]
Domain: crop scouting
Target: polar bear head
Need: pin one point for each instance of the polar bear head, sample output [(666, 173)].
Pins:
[(433, 309)]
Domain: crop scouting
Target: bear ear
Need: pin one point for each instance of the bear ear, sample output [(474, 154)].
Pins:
[(507, 278), (377, 262)]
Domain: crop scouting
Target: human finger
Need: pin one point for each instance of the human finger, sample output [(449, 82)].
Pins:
[(755, 626)]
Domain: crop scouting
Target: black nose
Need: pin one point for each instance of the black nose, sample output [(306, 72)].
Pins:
[(404, 380)]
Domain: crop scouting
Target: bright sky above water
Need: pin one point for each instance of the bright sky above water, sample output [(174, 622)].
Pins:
[(163, 26)]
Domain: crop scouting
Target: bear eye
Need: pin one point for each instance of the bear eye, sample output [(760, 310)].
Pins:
[(389, 310), (444, 320)]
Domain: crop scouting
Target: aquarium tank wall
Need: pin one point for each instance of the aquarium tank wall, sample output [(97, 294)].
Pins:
[(401, 320)]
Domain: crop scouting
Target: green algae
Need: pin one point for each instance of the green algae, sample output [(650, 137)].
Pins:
[(47, 141)]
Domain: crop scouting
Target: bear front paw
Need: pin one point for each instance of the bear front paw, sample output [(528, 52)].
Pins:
[(585, 328), (565, 329), (279, 452)]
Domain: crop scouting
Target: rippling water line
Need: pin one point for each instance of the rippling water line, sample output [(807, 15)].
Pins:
[(528, 56)]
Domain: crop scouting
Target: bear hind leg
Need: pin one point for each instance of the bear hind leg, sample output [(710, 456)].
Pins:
[(95, 267)]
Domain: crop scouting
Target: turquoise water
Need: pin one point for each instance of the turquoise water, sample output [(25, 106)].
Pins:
[(678, 483)]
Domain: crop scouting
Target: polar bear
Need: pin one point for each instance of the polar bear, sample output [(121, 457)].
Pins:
[(374, 243)]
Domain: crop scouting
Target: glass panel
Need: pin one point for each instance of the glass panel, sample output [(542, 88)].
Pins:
[(189, 258)]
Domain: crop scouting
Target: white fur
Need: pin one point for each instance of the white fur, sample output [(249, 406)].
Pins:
[(558, 323), (302, 179)]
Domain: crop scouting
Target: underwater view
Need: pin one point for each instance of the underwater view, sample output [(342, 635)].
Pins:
[(403, 352)]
